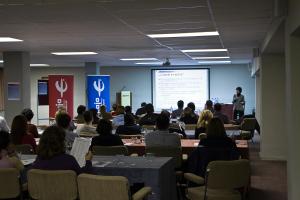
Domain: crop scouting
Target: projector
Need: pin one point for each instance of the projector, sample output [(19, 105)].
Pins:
[(166, 63)]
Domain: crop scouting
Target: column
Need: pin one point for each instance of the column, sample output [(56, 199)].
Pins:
[(16, 83), (92, 68)]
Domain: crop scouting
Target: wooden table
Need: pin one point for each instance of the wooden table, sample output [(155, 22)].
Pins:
[(228, 127), (188, 145)]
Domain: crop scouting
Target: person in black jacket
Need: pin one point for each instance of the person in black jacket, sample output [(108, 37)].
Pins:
[(129, 127), (150, 117), (106, 138)]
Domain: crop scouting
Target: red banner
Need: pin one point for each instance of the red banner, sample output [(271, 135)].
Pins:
[(61, 93)]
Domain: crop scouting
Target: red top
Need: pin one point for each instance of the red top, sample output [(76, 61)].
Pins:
[(29, 139), (33, 130)]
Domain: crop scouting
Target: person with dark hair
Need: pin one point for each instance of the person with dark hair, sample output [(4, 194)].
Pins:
[(150, 117), (209, 106), (218, 113), (238, 104), (80, 110), (104, 114), (129, 127), (162, 137), (105, 137), (63, 121), (188, 116), (114, 109), (141, 110), (119, 118), (27, 112), (192, 106), (51, 153), (7, 160), (19, 132), (94, 112), (174, 127), (177, 113), (87, 127)]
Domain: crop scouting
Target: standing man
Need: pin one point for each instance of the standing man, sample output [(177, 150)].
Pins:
[(238, 104)]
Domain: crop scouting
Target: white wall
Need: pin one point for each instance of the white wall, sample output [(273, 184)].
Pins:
[(79, 88), (223, 81)]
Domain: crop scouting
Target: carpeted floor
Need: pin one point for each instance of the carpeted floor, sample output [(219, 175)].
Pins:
[(269, 178)]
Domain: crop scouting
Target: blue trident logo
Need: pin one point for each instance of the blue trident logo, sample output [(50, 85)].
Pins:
[(97, 86)]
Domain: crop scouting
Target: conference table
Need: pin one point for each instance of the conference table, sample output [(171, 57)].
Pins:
[(155, 172), (187, 145)]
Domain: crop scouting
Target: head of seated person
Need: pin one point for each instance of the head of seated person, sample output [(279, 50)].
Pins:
[(216, 129), (166, 113), (27, 112), (209, 105), (63, 120), (104, 127), (129, 120), (218, 107), (192, 106), (81, 109), (180, 104), (204, 119), (120, 110), (162, 122), (128, 110), (149, 108), (19, 129), (52, 143), (88, 117), (94, 112)]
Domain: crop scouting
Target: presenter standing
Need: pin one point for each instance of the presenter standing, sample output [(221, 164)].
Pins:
[(238, 104)]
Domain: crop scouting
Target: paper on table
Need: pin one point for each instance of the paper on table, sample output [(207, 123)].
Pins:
[(27, 161), (128, 144), (196, 144), (80, 148)]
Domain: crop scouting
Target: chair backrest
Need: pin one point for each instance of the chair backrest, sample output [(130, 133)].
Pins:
[(149, 127), (24, 148), (166, 151), (228, 174), (102, 187), (110, 150), (9, 183), (248, 124), (52, 184), (87, 134)]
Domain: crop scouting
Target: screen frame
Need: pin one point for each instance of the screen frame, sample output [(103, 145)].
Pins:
[(180, 68)]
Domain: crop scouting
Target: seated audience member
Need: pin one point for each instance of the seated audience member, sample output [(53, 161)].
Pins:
[(27, 112), (19, 132), (106, 138), (94, 112), (203, 122), (188, 117), (141, 110), (209, 106), (150, 117), (87, 127), (63, 121), (174, 127), (162, 137), (7, 160), (114, 109), (178, 112), (62, 109), (80, 110), (51, 153), (218, 113), (129, 127), (119, 118), (3, 125), (192, 106), (104, 114), (128, 110)]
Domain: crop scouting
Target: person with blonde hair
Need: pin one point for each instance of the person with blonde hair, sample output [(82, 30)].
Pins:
[(203, 121)]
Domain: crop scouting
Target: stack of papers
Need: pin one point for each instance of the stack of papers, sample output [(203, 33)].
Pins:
[(80, 148)]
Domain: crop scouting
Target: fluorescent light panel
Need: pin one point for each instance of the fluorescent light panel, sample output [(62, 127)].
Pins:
[(215, 62), (9, 39), (202, 50), (210, 58), (39, 65), (148, 63), (74, 53), (191, 34), (137, 59), (1, 61)]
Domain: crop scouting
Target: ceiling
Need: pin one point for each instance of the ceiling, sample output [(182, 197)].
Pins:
[(117, 29)]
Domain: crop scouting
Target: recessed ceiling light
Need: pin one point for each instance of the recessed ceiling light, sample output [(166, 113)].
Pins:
[(137, 59), (202, 50), (39, 65), (209, 58), (74, 53), (192, 34), (215, 62), (9, 39), (148, 63)]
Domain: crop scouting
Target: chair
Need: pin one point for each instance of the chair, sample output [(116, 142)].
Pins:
[(24, 148), (107, 188), (9, 184), (223, 181), (248, 128), (87, 134), (110, 150), (52, 185)]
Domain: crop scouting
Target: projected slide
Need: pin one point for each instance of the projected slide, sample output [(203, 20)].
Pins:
[(189, 85)]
